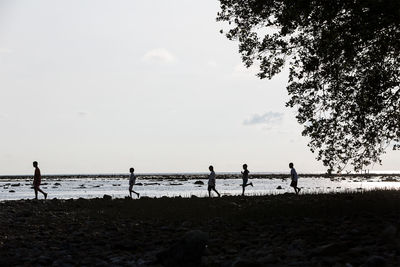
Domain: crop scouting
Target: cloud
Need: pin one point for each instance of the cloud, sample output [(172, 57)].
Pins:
[(269, 118), (212, 63), (5, 50), (159, 55), (82, 114)]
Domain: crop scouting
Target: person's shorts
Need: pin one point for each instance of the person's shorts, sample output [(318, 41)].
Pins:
[(293, 184), (211, 187), (245, 182), (36, 183)]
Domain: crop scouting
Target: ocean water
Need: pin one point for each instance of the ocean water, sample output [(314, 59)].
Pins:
[(66, 187)]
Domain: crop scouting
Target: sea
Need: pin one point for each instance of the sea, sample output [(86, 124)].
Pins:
[(190, 184)]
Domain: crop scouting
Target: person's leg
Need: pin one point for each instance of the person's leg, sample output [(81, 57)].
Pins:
[(41, 191), (36, 191), (243, 188), (137, 194), (130, 190), (216, 192)]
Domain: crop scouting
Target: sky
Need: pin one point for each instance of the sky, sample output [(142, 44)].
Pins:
[(100, 86)]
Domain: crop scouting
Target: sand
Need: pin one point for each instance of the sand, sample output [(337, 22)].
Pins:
[(347, 229)]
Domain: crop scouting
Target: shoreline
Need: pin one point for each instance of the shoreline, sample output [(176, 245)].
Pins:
[(280, 230), (179, 176)]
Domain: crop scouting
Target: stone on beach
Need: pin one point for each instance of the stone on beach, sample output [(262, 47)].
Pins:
[(107, 197), (185, 252)]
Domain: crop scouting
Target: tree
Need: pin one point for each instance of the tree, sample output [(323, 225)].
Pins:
[(343, 57)]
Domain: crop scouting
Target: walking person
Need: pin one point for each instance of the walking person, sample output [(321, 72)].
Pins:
[(245, 178), (211, 182), (294, 177), (37, 179), (132, 181)]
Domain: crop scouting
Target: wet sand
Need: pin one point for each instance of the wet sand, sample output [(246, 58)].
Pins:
[(357, 229)]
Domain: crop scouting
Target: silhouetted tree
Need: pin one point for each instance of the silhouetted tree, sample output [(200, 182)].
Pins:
[(344, 63)]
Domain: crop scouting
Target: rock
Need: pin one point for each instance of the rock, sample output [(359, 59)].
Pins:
[(279, 187), (139, 184), (375, 261), (151, 184), (331, 249), (57, 184), (186, 252), (389, 232), (16, 184), (270, 258), (199, 182), (12, 191), (107, 197)]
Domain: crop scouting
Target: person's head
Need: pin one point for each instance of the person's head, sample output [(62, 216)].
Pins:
[(290, 165), (131, 170), (245, 166), (211, 168), (35, 164)]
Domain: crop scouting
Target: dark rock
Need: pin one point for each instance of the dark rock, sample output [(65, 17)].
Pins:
[(186, 252), (279, 187), (151, 184), (139, 184), (107, 197), (389, 232), (16, 184), (270, 258), (375, 261), (331, 249), (12, 191), (199, 182)]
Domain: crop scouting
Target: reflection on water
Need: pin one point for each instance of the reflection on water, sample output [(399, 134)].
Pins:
[(118, 187)]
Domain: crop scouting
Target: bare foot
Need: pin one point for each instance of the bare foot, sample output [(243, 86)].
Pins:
[(45, 195)]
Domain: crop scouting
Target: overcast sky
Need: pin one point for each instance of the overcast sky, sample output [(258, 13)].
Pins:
[(100, 86)]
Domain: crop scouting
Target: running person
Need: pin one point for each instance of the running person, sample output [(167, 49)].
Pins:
[(294, 177), (37, 179), (211, 182), (245, 178), (132, 181)]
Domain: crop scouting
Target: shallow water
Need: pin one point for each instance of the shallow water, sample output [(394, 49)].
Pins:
[(65, 188)]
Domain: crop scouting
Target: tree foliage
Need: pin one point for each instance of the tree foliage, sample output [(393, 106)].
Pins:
[(343, 57)]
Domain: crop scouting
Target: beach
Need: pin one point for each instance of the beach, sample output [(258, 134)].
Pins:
[(334, 229)]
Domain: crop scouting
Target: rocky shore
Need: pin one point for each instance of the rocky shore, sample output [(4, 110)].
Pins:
[(348, 229)]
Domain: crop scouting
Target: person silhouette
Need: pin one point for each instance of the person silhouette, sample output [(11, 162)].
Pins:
[(294, 177), (37, 179), (211, 182), (245, 178), (132, 181)]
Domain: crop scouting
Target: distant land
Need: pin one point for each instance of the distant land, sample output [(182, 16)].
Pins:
[(192, 176)]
